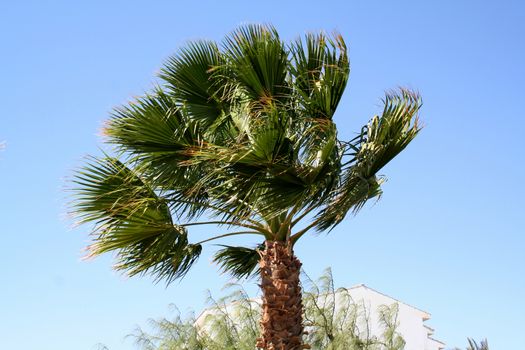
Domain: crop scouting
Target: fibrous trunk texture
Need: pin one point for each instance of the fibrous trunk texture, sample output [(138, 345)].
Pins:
[(282, 308)]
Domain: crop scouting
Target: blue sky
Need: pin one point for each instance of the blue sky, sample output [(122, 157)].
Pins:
[(447, 236)]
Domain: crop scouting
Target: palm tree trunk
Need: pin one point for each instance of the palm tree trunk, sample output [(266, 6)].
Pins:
[(282, 308)]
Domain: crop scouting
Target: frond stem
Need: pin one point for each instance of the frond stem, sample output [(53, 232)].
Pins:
[(214, 207), (299, 234), (258, 228), (230, 234), (300, 217)]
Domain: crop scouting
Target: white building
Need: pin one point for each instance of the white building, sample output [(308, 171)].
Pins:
[(412, 326)]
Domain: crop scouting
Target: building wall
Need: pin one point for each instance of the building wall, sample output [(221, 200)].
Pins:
[(411, 320)]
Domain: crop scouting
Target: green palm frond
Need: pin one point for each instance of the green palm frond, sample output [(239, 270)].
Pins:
[(156, 135), (321, 157), (321, 69), (150, 125), (380, 141), (107, 190), (240, 262), (131, 220), (260, 172), (193, 79), (259, 62)]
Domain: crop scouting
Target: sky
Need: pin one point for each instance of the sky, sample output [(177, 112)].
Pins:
[(447, 235)]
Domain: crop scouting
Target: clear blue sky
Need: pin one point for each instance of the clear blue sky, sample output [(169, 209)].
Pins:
[(447, 236)]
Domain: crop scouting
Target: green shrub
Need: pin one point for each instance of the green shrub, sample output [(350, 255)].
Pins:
[(332, 319)]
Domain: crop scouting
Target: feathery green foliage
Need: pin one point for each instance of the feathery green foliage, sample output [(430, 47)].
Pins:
[(334, 322), (239, 134), (473, 345)]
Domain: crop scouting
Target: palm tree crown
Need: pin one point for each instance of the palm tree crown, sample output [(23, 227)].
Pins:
[(241, 134)]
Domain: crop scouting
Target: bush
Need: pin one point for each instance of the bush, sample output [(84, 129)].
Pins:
[(332, 319)]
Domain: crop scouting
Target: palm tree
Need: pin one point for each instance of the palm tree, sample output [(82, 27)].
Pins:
[(239, 135)]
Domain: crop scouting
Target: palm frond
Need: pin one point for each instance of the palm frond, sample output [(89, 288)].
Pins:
[(240, 262), (130, 220), (156, 135), (259, 63), (152, 124), (379, 142), (320, 71), (193, 80), (159, 139)]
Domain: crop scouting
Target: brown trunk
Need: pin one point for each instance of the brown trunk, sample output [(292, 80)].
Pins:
[(282, 308)]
